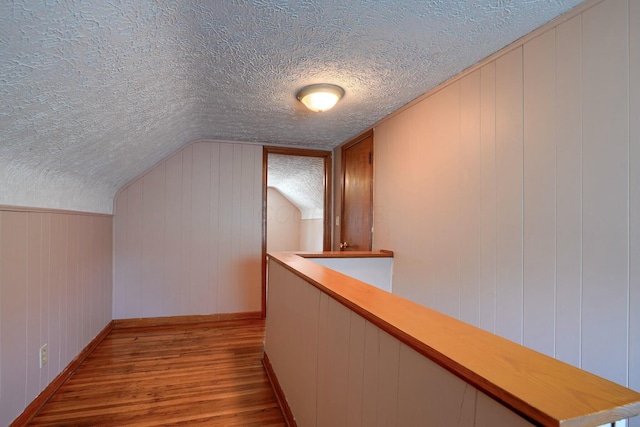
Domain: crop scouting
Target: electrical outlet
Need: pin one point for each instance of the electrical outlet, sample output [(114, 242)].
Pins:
[(44, 356)]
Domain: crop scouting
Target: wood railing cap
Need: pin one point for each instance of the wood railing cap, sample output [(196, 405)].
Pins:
[(542, 389), (383, 253)]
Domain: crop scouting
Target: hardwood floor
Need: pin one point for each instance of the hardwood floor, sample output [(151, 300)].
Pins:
[(198, 375)]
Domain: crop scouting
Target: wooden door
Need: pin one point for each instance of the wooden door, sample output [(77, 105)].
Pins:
[(357, 195)]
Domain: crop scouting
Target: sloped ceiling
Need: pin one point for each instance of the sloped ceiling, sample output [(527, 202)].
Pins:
[(93, 93), (301, 180)]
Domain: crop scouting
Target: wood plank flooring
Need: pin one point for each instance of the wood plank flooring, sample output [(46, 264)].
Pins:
[(198, 375)]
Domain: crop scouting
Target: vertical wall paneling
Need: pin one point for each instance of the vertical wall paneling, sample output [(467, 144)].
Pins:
[(370, 375), (428, 392), (539, 206), (355, 371), (334, 369), (470, 182), (84, 292), (57, 293), (133, 252), (121, 256), (487, 298), (13, 312), (214, 227), (172, 238), (185, 232), (289, 344), (45, 294), (72, 293), (55, 287), (557, 186), (324, 414), (33, 287), (153, 205), (192, 238), (490, 413), (257, 223), (634, 199), (200, 298), (417, 244), (247, 207), (388, 373), (423, 140), (308, 326), (445, 146), (250, 229), (235, 243), (568, 190), (605, 189), (509, 164), (413, 388), (225, 225), (104, 286)]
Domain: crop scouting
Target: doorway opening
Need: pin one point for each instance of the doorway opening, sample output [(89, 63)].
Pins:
[(296, 203)]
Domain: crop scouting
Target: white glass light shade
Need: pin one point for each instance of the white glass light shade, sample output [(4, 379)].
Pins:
[(320, 97)]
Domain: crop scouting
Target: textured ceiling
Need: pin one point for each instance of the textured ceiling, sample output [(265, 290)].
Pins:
[(301, 180), (92, 93)]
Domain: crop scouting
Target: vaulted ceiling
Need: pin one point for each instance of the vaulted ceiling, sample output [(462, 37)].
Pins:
[(93, 93)]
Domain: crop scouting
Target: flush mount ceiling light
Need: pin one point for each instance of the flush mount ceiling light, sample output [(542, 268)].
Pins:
[(320, 97)]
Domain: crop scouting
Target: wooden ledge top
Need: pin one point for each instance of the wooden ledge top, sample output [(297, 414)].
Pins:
[(347, 254), (542, 389)]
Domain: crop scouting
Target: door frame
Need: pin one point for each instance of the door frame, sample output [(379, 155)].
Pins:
[(328, 214), (344, 147)]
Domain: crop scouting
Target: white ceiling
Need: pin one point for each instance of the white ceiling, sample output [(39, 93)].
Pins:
[(92, 93)]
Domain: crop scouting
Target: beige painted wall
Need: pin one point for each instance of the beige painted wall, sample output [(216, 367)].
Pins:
[(311, 234), (283, 223), (511, 196), (55, 289), (188, 234)]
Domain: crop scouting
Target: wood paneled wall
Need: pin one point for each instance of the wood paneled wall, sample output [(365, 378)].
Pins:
[(511, 196), (338, 369), (188, 234), (55, 289)]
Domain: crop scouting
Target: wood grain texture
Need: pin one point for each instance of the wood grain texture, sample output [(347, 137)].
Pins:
[(182, 320), (350, 254), (536, 386), (357, 193), (205, 374)]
